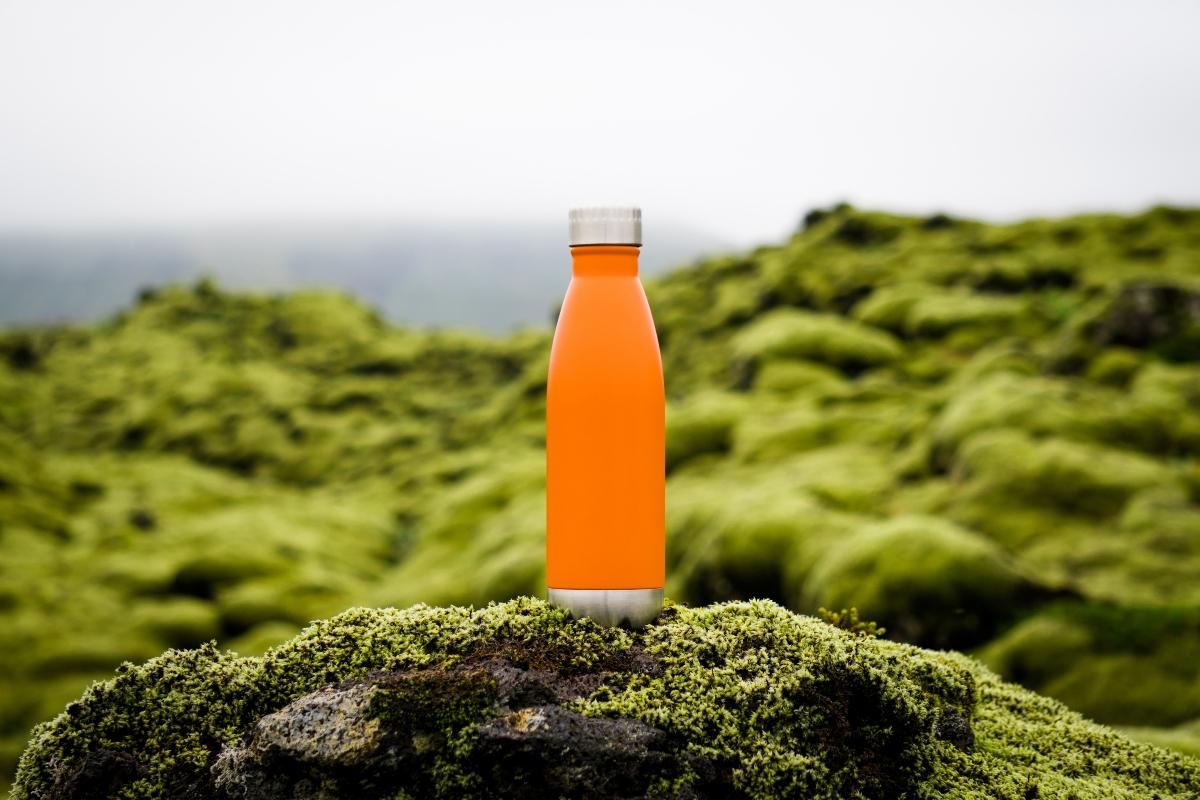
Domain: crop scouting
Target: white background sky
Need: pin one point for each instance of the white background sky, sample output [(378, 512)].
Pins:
[(733, 118)]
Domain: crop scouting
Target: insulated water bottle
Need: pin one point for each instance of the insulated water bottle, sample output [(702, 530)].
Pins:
[(605, 437)]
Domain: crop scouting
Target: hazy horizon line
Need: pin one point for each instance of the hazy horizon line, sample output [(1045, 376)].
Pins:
[(291, 223)]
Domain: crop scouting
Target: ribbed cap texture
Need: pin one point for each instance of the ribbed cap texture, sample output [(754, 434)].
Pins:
[(605, 225)]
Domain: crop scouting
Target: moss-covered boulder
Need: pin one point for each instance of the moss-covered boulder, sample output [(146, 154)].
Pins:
[(937, 314), (925, 579), (1086, 479), (755, 540), (1135, 664), (518, 700), (795, 376), (825, 338), (701, 426), (1152, 418), (1159, 315)]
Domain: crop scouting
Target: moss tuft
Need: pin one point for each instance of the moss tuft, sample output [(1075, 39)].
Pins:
[(927, 580), (824, 338)]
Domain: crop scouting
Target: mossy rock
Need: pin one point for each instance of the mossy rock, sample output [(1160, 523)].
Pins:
[(177, 621), (517, 700), (1115, 366), (737, 299), (261, 638), (1163, 316), (824, 338), (770, 432), (888, 306), (897, 572), (91, 651), (508, 549), (1153, 418), (1180, 381), (848, 477), (1130, 665), (201, 574), (937, 314), (1071, 476), (288, 598), (754, 540), (1183, 738), (702, 425), (793, 376), (1038, 649), (1005, 400), (1133, 689)]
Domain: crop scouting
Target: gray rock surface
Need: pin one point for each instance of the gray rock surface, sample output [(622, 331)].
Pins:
[(383, 737)]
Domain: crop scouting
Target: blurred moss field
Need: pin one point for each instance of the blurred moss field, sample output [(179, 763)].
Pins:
[(984, 437)]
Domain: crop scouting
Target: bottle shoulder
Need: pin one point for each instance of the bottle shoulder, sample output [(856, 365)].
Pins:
[(605, 341), (605, 318)]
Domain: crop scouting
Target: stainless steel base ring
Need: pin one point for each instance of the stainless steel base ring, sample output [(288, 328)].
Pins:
[(610, 607)]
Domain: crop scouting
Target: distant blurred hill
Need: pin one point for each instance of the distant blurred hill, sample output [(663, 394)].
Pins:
[(493, 279)]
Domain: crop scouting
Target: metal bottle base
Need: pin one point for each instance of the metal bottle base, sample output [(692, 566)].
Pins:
[(610, 607)]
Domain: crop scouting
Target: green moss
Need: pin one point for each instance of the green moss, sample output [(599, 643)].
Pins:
[(848, 620), (1004, 400), (897, 571), (702, 425), (433, 702), (737, 299), (1133, 689), (1138, 665), (824, 338), (888, 306), (796, 376), (1152, 420), (1038, 649), (785, 704), (295, 599), (179, 621), (1184, 738), (201, 572), (754, 540), (774, 431), (90, 651), (1071, 476), (1114, 367), (939, 314), (850, 477), (1170, 381), (508, 549), (262, 638)]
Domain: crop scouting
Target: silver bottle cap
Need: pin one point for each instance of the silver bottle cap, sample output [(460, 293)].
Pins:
[(605, 225)]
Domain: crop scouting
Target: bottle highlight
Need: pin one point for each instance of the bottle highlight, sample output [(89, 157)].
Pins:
[(605, 431)]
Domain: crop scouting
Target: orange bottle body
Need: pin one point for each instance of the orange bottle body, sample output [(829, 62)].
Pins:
[(605, 431)]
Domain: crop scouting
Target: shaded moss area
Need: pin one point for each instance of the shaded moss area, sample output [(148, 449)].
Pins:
[(982, 436), (518, 700)]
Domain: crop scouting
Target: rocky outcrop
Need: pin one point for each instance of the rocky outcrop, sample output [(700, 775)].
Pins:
[(1147, 315), (520, 701), (390, 731)]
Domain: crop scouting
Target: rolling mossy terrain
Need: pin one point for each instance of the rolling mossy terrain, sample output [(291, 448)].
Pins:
[(733, 700), (985, 437)]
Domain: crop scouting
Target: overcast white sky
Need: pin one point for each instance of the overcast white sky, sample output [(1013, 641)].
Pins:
[(732, 117)]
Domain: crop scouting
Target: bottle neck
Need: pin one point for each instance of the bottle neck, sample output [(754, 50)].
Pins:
[(604, 259)]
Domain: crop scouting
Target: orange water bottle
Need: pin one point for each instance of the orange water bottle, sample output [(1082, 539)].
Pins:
[(605, 437)]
